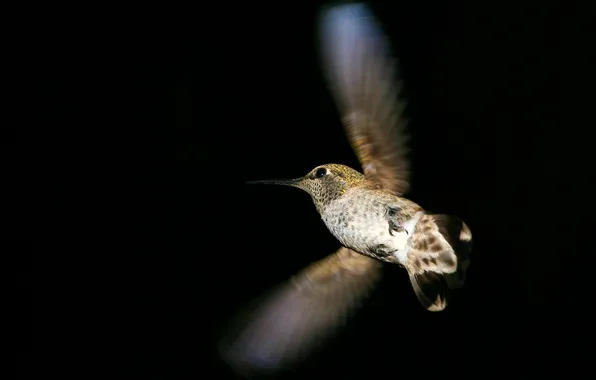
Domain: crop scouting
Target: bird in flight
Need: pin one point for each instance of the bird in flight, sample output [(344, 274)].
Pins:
[(364, 211)]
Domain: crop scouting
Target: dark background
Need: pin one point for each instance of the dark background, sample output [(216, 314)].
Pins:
[(154, 118)]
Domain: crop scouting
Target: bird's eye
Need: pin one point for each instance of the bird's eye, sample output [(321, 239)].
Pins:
[(320, 172)]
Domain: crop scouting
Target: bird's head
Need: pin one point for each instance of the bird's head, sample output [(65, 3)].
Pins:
[(324, 183)]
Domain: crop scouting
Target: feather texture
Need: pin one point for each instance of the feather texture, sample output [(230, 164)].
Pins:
[(299, 314), (438, 259), (363, 81)]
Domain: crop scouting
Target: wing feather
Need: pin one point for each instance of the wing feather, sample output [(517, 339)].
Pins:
[(299, 314), (363, 81)]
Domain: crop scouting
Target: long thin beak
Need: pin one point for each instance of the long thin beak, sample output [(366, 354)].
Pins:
[(284, 182)]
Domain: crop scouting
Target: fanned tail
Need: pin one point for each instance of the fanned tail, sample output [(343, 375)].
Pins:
[(438, 258)]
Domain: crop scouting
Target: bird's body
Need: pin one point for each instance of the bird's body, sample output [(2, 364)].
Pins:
[(366, 212), (373, 222)]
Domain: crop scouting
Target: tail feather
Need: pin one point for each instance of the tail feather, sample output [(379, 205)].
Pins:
[(438, 258)]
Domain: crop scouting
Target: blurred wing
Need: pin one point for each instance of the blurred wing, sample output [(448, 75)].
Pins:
[(438, 258), (364, 84), (300, 313)]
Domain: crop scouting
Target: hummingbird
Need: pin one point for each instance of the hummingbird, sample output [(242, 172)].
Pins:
[(366, 212)]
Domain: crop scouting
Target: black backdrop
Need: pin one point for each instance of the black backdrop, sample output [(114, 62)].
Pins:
[(173, 110)]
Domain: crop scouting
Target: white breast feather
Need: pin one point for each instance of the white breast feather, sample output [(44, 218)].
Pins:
[(403, 240)]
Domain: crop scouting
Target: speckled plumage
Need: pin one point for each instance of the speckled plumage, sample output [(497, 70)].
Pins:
[(365, 212), (359, 212), (361, 219)]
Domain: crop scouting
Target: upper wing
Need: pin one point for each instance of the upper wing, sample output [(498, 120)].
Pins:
[(363, 82), (301, 312)]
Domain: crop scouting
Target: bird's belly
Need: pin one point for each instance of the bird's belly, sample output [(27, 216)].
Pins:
[(371, 236)]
